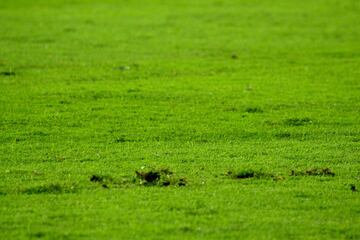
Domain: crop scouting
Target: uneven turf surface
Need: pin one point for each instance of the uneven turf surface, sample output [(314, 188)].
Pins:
[(177, 119)]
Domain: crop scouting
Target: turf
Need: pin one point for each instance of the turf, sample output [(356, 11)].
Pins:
[(179, 119)]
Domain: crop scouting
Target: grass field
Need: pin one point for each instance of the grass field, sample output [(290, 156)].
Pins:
[(170, 119)]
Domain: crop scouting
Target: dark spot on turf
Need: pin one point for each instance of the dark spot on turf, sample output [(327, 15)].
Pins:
[(104, 181), (161, 177), (182, 182), (87, 160), (231, 109), (297, 121), (249, 173), (234, 56), (283, 135), (313, 172), (243, 174), (122, 139), (64, 102), (186, 229), (149, 177), (7, 73), (101, 178), (166, 183), (39, 134), (97, 108), (37, 235), (253, 110), (303, 195), (353, 188), (96, 178)]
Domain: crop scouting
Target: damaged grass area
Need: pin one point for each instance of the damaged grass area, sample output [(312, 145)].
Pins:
[(161, 177), (257, 174), (105, 181), (313, 172), (152, 177), (249, 173), (353, 188)]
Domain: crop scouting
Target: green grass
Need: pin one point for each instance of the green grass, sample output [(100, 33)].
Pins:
[(253, 105)]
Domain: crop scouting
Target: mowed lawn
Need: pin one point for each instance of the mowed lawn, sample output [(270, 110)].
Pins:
[(240, 117)]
